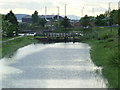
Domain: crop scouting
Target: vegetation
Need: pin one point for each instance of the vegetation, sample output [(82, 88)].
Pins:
[(103, 42), (37, 23), (9, 47), (10, 25), (101, 20), (63, 30), (0, 35), (106, 19), (42, 22), (87, 21), (104, 51), (65, 23), (35, 17), (114, 16)]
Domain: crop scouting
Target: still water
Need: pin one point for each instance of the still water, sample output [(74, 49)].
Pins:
[(56, 65)]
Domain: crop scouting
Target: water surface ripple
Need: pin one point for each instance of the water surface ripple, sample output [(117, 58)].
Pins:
[(57, 65)]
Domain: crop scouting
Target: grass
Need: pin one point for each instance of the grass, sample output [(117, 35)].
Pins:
[(8, 48), (63, 30), (104, 52), (6, 38), (40, 37)]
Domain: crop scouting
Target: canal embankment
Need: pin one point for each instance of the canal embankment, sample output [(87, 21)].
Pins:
[(104, 52), (10, 46)]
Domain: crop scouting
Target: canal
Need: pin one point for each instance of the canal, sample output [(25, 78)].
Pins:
[(55, 65)]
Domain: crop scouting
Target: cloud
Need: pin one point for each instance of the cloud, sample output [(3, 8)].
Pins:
[(28, 5), (74, 7)]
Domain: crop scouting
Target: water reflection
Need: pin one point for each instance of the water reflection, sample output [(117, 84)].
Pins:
[(59, 65)]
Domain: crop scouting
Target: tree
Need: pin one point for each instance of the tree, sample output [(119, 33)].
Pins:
[(12, 21), (7, 28), (87, 21), (118, 18), (114, 16), (65, 22), (35, 17), (101, 20), (42, 22), (0, 21), (0, 26)]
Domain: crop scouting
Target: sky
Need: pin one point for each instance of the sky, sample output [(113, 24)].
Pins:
[(73, 7)]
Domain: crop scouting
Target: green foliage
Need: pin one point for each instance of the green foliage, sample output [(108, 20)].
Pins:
[(65, 23), (35, 17), (37, 23), (24, 26), (42, 22), (101, 20), (67, 30), (107, 19), (9, 47), (27, 26), (35, 26), (114, 16), (0, 35), (0, 21), (11, 17), (87, 21), (104, 52), (118, 17), (7, 28), (10, 24)]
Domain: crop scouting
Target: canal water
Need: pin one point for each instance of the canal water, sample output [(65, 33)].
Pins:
[(55, 65)]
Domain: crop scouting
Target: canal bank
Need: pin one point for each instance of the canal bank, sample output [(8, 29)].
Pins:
[(106, 58), (104, 52), (9, 47)]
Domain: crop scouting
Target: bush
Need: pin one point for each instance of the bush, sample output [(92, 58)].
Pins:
[(114, 59)]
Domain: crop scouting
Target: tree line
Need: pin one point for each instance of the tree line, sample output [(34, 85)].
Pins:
[(39, 23), (106, 19), (11, 27)]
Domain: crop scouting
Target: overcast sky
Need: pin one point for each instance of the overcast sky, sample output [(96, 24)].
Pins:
[(74, 7)]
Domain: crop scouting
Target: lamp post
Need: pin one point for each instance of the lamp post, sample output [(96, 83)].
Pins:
[(58, 13), (65, 9), (119, 5), (110, 17), (58, 16), (45, 13), (82, 11), (109, 8), (93, 11)]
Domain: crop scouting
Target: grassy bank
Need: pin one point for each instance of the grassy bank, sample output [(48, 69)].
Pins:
[(9, 47), (104, 51), (63, 30)]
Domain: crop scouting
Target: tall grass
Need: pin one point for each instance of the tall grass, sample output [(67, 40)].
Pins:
[(104, 52)]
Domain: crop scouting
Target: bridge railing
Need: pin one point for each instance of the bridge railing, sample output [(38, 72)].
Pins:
[(62, 34)]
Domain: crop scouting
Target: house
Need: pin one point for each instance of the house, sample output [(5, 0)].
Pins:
[(28, 18)]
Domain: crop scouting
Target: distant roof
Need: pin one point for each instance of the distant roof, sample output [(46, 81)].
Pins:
[(42, 16), (28, 16)]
